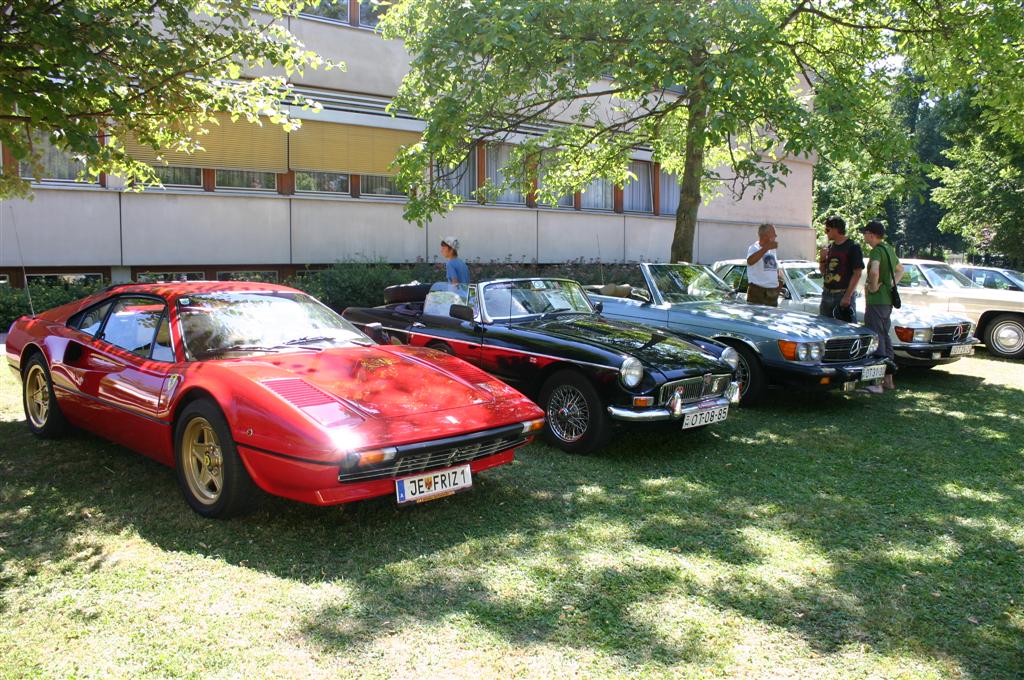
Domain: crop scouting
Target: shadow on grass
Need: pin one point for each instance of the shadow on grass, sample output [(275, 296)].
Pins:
[(907, 509)]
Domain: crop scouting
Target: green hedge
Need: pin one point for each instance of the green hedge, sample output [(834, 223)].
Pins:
[(14, 301), (362, 284)]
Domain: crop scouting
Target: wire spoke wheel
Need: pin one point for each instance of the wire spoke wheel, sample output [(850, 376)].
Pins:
[(203, 462), (743, 375), (568, 413), (37, 396)]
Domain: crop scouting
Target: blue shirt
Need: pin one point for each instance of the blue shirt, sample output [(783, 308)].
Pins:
[(457, 269)]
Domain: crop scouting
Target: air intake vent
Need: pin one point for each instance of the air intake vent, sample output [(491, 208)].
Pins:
[(467, 372), (298, 392)]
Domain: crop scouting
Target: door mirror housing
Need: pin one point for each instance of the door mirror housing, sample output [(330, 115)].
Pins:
[(599, 306), (376, 332), (461, 312)]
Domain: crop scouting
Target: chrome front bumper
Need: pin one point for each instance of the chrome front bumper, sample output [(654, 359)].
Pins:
[(676, 409)]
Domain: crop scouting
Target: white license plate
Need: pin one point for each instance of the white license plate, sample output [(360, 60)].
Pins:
[(431, 485), (873, 372), (960, 350), (705, 417)]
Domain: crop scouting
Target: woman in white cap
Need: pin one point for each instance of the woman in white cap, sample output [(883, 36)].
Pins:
[(456, 270)]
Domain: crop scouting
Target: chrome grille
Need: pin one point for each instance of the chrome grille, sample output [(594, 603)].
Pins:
[(847, 349), (951, 333), (421, 461), (694, 389)]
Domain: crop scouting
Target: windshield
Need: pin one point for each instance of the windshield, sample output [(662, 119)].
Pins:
[(247, 322), (688, 283), (505, 300), (944, 276), (806, 281), (1014, 276)]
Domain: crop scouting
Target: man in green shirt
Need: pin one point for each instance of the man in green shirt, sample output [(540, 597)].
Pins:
[(884, 270)]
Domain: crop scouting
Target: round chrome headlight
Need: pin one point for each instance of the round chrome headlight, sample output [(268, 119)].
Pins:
[(801, 352), (631, 372), (816, 350), (731, 357), (873, 345)]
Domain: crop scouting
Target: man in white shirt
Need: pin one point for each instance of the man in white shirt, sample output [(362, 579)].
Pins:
[(763, 268)]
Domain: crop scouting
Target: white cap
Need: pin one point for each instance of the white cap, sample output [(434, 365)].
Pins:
[(452, 242)]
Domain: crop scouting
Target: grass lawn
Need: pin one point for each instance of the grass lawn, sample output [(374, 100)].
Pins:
[(817, 536)]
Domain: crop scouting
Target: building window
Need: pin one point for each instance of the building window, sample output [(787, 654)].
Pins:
[(636, 195), (497, 160), (154, 277), (669, 193), (66, 279), (172, 176), (460, 180), (321, 183), (563, 201), (370, 13), (56, 163), (598, 195), (264, 276), (336, 10), (249, 180), (379, 185)]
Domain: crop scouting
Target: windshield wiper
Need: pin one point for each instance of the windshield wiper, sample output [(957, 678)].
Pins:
[(212, 351), (311, 339)]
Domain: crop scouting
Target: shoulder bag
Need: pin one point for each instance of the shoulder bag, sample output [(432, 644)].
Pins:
[(896, 302)]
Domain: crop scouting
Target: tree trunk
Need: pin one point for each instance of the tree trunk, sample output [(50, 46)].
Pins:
[(693, 170)]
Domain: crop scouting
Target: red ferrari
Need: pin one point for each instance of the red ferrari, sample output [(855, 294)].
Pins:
[(244, 385)]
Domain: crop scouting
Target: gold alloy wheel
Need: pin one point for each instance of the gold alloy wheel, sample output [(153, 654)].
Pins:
[(37, 396), (202, 461)]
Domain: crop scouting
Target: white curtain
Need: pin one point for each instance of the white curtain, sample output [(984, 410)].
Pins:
[(669, 198), (636, 196), (497, 161)]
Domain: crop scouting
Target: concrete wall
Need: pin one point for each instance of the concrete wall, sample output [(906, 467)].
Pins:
[(61, 227), (96, 226)]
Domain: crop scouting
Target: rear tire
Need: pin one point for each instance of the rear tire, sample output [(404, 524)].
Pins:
[(1004, 336), (211, 475), (576, 420), (42, 412)]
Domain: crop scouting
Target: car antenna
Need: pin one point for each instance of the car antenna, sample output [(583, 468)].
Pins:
[(21, 257)]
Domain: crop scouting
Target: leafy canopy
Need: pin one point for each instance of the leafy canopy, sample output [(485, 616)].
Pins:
[(82, 72), (722, 93)]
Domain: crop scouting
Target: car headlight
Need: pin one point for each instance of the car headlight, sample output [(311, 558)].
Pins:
[(731, 357), (631, 372), (817, 349), (873, 345), (922, 334), (801, 351)]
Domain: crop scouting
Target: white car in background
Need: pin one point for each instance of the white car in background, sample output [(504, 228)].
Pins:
[(997, 314), (920, 337), (999, 278)]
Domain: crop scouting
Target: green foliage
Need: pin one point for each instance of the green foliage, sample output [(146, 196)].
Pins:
[(81, 71), (362, 284), (14, 302), (723, 93), (983, 195)]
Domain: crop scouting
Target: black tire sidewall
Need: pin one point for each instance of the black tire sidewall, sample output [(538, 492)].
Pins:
[(55, 421), (990, 331), (236, 496), (598, 429)]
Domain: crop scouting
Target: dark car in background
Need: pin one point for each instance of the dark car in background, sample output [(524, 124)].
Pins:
[(545, 337)]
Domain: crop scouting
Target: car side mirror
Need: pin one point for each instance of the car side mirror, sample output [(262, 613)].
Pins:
[(461, 312), (376, 332), (599, 306), (641, 295), (786, 295)]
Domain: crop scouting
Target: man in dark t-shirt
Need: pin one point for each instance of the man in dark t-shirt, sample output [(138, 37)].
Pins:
[(841, 264)]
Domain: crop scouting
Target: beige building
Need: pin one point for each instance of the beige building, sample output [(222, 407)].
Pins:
[(262, 202)]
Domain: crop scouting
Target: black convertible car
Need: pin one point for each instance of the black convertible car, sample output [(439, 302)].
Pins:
[(546, 338)]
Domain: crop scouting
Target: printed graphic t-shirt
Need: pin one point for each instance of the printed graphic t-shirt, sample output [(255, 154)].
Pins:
[(840, 263), (764, 272)]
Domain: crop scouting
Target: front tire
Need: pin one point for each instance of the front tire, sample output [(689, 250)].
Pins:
[(751, 376), (1004, 336), (211, 475), (576, 420), (42, 413)]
